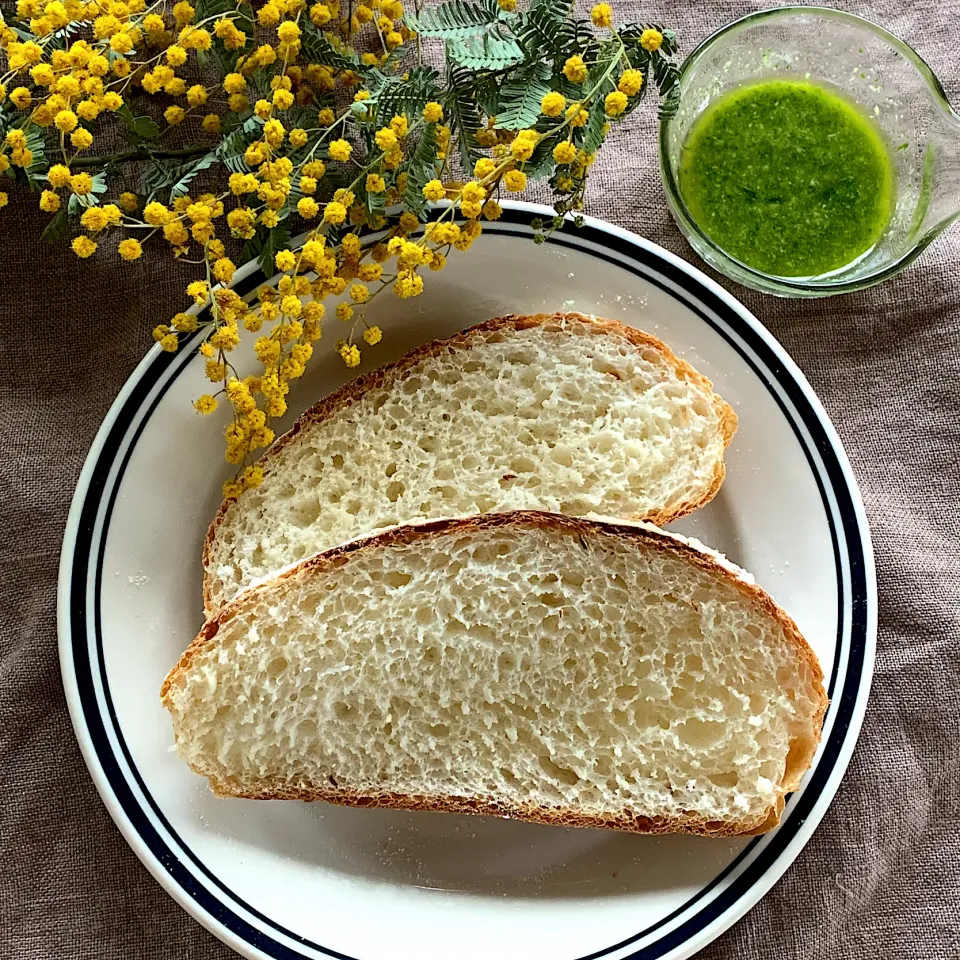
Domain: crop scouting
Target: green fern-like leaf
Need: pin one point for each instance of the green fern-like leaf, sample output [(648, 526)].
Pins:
[(227, 59), (587, 40), (393, 95), (669, 104), (58, 229), (670, 43), (317, 48), (463, 115), (157, 175), (231, 149), (213, 8), (189, 173), (541, 163), (520, 96), (605, 54), (666, 75), (37, 171), (593, 131), (236, 164), (298, 116), (602, 84), (264, 246), (572, 91), (631, 33), (375, 202), (58, 40), (487, 92), (170, 178), (546, 30), (488, 51), (140, 128), (420, 168), (76, 205), (456, 19)]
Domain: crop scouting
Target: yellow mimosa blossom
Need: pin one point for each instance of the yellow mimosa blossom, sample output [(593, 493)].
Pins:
[(434, 190), (340, 150), (129, 249), (651, 39), (601, 15), (81, 184), (308, 208), (83, 247), (515, 181), (334, 212), (81, 139), (615, 103), (553, 104), (630, 82), (58, 175)]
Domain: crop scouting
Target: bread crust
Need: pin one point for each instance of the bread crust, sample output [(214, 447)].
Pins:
[(654, 826), (354, 389), (801, 750)]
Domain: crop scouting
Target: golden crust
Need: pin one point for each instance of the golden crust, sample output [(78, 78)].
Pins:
[(489, 806), (801, 749), (356, 388)]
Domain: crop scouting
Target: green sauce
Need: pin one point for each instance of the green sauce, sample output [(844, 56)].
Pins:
[(788, 178)]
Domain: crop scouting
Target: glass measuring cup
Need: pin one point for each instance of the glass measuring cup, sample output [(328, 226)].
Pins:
[(866, 64)]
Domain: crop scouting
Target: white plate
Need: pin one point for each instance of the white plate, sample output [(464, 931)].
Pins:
[(290, 880)]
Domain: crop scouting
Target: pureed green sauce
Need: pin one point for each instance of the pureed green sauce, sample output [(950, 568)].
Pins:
[(788, 178)]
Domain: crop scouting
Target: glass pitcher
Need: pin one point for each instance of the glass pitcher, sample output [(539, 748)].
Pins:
[(868, 65)]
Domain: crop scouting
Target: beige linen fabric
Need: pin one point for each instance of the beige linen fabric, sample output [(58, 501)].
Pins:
[(881, 877)]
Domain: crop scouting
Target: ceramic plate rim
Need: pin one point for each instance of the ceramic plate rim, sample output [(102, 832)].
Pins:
[(621, 241)]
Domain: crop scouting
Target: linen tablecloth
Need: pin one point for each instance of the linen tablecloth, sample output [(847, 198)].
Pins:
[(881, 876)]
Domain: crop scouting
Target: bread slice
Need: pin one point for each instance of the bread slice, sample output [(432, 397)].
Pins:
[(552, 412), (529, 665)]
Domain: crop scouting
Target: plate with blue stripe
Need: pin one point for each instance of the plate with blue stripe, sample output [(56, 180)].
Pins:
[(299, 881)]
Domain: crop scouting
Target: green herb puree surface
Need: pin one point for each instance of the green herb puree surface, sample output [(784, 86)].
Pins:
[(788, 178)]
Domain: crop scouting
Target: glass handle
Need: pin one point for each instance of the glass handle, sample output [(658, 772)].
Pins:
[(939, 202)]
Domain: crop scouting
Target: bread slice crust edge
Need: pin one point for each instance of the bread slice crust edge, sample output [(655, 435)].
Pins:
[(801, 751), (354, 389)]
